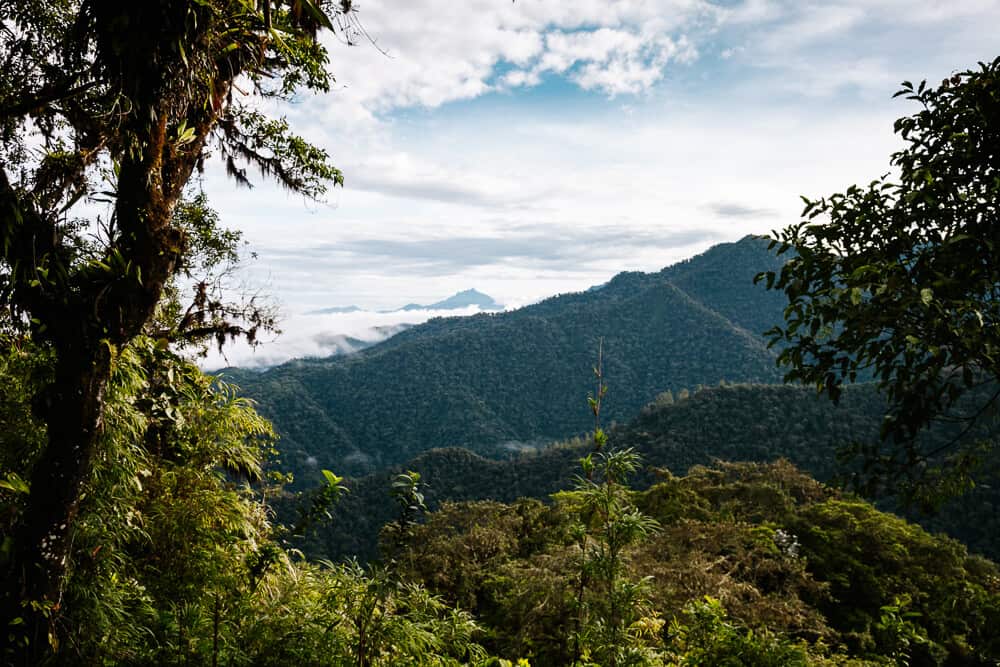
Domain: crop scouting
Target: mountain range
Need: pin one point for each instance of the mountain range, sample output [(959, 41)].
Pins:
[(500, 382), (474, 403)]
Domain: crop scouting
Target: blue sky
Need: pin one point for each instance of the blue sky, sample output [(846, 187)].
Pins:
[(541, 146)]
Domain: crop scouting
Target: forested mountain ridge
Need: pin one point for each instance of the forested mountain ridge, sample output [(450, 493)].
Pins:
[(497, 381), (731, 423)]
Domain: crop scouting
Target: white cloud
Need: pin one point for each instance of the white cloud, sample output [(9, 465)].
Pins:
[(724, 116), (519, 77), (439, 52), (753, 11), (614, 62), (564, 49), (813, 23), (402, 174)]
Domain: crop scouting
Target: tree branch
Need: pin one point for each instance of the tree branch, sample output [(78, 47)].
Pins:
[(43, 99)]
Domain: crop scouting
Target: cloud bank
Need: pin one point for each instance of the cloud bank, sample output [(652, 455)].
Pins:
[(319, 335)]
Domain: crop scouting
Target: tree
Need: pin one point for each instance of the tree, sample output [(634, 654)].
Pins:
[(899, 281), (122, 102), (408, 493), (618, 613), (174, 557)]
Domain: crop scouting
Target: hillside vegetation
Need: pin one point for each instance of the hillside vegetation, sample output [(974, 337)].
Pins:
[(492, 382), (744, 564), (731, 423)]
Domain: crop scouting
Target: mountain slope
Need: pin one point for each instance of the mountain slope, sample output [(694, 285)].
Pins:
[(719, 279), (731, 423), (496, 381)]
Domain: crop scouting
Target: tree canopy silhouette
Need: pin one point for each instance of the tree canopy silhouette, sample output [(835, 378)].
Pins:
[(899, 280)]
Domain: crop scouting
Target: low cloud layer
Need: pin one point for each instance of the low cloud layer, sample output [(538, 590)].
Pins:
[(735, 210), (319, 335), (525, 247)]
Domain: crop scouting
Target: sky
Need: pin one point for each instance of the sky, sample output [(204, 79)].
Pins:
[(536, 147)]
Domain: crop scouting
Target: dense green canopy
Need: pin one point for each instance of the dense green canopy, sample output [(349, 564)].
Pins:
[(899, 280)]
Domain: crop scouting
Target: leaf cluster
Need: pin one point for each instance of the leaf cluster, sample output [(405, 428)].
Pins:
[(898, 280), (175, 556)]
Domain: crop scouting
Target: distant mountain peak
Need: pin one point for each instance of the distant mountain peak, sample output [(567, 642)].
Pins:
[(457, 301), (463, 299)]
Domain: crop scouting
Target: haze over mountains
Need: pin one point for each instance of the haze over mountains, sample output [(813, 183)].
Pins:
[(500, 382), (339, 330)]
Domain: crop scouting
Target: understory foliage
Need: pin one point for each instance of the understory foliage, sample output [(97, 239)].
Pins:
[(175, 558), (614, 619)]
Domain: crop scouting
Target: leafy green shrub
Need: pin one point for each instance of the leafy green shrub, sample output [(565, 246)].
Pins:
[(707, 638)]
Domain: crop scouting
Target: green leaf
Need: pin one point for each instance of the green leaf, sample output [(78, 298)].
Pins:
[(15, 484), (332, 479), (317, 13)]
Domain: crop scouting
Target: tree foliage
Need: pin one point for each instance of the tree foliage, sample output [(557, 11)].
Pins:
[(119, 104), (898, 280), (795, 572), (614, 618), (731, 422), (176, 558)]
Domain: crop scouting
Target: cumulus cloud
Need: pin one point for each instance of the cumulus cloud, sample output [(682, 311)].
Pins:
[(431, 52), (612, 61)]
